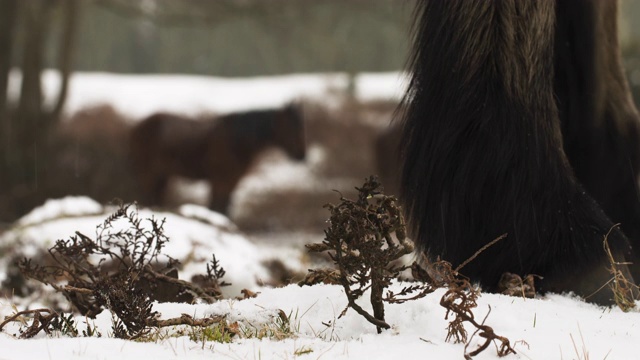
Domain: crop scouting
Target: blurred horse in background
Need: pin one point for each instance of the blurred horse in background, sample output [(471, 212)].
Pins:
[(219, 150), (387, 155)]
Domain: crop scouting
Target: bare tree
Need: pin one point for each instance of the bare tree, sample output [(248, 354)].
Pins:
[(8, 12), (25, 128)]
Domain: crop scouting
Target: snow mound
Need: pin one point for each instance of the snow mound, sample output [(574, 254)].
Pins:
[(58, 208), (202, 213), (195, 233)]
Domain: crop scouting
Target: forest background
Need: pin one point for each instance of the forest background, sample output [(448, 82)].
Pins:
[(229, 38)]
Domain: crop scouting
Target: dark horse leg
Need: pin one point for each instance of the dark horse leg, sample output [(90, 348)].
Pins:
[(483, 151), (153, 190), (220, 197), (600, 123), (219, 201)]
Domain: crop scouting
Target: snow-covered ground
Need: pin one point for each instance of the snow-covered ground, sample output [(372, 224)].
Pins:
[(553, 327), (195, 233), (139, 96)]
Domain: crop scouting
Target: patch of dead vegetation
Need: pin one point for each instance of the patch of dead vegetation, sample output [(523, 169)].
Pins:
[(364, 239)]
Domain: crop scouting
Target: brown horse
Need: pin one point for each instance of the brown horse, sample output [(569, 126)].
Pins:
[(387, 154), (219, 150)]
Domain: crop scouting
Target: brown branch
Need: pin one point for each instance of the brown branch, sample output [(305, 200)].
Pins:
[(69, 288), (624, 291), (186, 319), (183, 284), (480, 251), (352, 303), (367, 316), (485, 331), (15, 316)]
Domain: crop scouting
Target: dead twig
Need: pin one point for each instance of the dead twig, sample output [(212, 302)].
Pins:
[(40, 321), (623, 289), (485, 247), (186, 319)]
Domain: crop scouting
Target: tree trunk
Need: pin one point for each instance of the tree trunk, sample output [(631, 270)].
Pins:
[(25, 134), (29, 117), (8, 13), (70, 25)]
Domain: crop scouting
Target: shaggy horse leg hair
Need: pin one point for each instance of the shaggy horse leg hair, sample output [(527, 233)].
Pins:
[(496, 141)]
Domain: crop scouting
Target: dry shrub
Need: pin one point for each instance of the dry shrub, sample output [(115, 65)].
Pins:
[(364, 238), (625, 292), (122, 270)]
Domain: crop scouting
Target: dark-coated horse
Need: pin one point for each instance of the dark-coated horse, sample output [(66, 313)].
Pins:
[(219, 150), (385, 149), (519, 120)]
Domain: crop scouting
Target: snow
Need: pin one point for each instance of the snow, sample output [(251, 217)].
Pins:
[(139, 96), (204, 214), (69, 206), (195, 233), (550, 327)]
